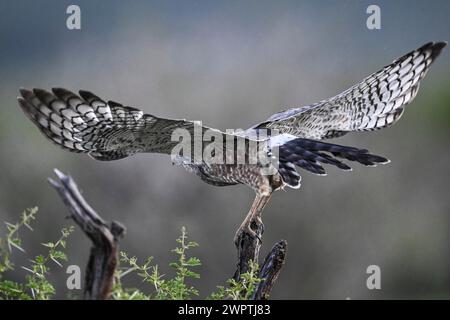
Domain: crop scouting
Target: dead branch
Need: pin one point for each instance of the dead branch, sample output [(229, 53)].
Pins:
[(270, 270), (103, 257), (248, 247)]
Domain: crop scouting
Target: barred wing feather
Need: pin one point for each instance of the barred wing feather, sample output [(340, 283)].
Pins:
[(104, 130), (376, 102)]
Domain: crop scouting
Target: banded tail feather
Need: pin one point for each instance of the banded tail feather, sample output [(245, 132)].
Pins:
[(310, 155)]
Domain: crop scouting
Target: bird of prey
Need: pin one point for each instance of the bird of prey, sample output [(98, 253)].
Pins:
[(108, 130)]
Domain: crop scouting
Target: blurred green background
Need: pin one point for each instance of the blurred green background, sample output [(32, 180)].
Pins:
[(232, 64)]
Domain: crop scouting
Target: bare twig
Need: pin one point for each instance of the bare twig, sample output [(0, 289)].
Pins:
[(104, 252)]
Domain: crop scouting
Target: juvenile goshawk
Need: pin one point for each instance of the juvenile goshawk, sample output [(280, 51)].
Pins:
[(107, 130)]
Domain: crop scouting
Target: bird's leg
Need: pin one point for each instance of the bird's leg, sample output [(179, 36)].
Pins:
[(254, 215)]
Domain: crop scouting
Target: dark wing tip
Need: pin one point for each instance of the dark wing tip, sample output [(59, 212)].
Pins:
[(436, 48), (89, 96), (38, 91), (23, 104), (62, 93), (114, 103), (59, 89), (29, 110), (22, 89), (43, 95), (433, 44), (26, 94)]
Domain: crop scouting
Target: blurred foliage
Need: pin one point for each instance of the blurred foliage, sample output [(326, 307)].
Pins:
[(433, 108), (439, 108)]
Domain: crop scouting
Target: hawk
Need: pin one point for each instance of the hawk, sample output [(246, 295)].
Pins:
[(107, 130)]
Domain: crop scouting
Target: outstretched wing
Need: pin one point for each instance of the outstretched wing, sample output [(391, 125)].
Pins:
[(374, 103), (104, 130)]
